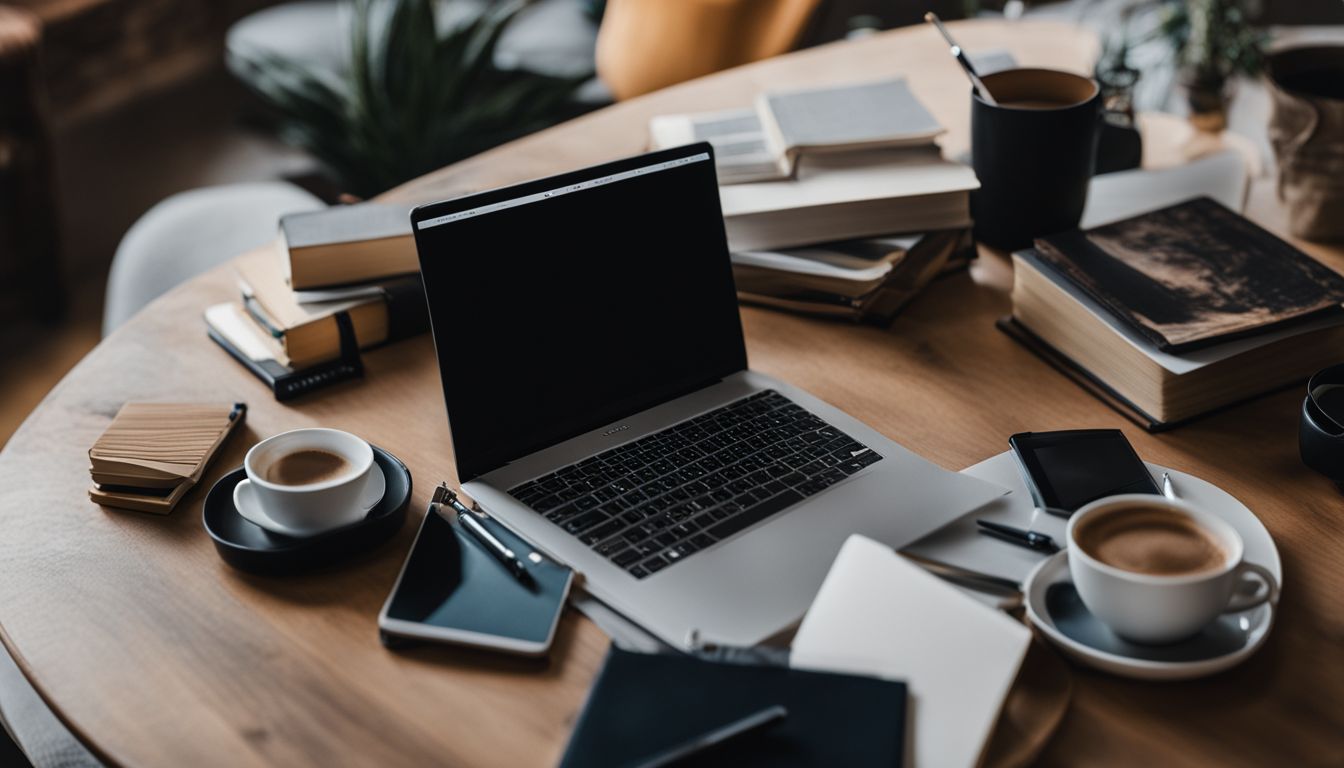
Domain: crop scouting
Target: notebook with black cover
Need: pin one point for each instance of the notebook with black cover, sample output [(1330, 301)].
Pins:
[(285, 382), (1193, 275), (643, 704)]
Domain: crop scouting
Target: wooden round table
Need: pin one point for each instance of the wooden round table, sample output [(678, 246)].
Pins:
[(156, 653)]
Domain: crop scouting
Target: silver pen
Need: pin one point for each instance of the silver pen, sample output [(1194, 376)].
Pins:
[(469, 523), (1168, 489)]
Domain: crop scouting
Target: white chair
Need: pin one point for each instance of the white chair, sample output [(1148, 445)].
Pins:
[(44, 740), (181, 237), (188, 233)]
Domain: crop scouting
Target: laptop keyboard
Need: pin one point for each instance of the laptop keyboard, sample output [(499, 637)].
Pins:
[(654, 502)]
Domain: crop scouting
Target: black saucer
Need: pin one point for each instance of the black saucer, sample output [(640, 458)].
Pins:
[(249, 547)]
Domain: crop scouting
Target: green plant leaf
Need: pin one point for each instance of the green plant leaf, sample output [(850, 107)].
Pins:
[(413, 99)]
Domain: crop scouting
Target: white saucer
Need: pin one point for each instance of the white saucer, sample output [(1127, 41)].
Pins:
[(1056, 610), (959, 543), (374, 488)]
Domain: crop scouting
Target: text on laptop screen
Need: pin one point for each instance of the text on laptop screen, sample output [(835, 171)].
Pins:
[(566, 304)]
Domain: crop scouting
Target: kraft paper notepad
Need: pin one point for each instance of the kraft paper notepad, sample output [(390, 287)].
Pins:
[(879, 614), (153, 453)]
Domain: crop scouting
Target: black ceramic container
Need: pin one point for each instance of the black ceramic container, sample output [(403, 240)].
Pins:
[(1034, 154)]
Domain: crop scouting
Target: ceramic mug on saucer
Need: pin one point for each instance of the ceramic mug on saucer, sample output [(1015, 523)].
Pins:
[(305, 481), (1157, 570)]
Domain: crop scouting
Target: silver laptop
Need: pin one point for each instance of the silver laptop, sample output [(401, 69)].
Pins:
[(601, 406)]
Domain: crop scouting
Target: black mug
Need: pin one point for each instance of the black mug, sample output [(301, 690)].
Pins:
[(1034, 154), (1321, 424)]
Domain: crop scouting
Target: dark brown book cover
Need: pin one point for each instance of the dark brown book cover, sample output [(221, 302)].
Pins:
[(1193, 275)]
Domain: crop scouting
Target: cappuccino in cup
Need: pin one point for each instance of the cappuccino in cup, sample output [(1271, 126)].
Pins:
[(307, 466), (1151, 539), (1157, 570), (305, 482)]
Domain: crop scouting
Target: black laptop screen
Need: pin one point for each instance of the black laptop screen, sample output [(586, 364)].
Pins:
[(566, 304)]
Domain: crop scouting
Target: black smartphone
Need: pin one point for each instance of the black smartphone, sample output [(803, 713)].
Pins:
[(1065, 470)]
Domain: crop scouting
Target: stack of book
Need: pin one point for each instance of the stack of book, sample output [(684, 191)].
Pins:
[(1178, 312), (863, 280), (342, 280), (153, 453), (814, 185)]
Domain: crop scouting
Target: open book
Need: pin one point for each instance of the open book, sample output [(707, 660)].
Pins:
[(765, 143), (741, 153)]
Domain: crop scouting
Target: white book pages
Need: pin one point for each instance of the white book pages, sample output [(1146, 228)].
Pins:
[(741, 153), (830, 260), (238, 329), (863, 176), (842, 117)]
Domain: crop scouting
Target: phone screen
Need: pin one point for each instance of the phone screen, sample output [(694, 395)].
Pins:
[(1072, 468), (453, 590)]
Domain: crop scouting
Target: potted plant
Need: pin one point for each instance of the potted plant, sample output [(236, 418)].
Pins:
[(1214, 41), (413, 99)]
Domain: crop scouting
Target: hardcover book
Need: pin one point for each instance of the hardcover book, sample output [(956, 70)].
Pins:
[(1109, 358), (348, 244), (866, 281), (307, 332), (871, 115), (767, 142), (1193, 275)]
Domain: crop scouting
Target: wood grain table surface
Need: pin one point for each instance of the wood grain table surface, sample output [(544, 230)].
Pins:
[(156, 653)]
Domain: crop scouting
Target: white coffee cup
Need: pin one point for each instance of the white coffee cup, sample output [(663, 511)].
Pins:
[(1153, 608), (305, 510)]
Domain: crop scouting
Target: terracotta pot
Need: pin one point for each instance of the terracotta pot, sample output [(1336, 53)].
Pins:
[(1208, 105)]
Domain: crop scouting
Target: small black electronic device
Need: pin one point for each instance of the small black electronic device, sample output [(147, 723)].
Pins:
[(1065, 470), (452, 589)]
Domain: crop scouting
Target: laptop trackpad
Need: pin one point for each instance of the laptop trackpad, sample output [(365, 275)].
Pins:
[(768, 575)]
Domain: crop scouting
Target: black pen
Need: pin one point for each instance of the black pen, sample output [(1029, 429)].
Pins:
[(468, 521), (753, 723), (1029, 539)]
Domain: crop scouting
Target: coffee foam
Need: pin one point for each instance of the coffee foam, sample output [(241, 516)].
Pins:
[(1152, 540), (306, 466)]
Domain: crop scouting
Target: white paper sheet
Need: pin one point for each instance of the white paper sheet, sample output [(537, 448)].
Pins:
[(879, 614)]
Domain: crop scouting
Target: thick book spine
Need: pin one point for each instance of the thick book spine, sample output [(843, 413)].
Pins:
[(403, 302), (1079, 375)]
